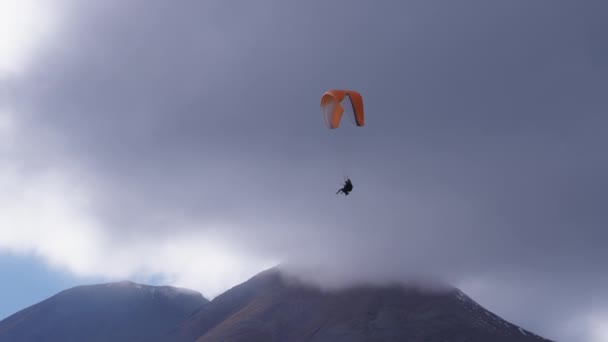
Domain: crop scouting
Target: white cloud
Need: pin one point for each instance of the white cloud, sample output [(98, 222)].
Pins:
[(50, 217), (598, 328), (199, 260), (22, 24), (7, 131), (50, 214)]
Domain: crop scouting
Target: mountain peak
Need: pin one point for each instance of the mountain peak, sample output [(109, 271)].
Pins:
[(273, 306), (120, 311)]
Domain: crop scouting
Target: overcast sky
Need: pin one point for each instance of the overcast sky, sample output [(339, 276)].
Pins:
[(182, 142)]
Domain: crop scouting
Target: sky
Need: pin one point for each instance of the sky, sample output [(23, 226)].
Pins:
[(183, 144)]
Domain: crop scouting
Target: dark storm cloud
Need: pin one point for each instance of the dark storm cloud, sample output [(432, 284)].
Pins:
[(483, 155)]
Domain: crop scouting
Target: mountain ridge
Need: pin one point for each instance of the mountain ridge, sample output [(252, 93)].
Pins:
[(121, 311), (270, 306), (273, 306)]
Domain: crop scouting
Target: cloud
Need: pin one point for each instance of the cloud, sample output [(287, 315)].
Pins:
[(50, 217), (50, 213), (599, 328), (156, 139), (23, 25)]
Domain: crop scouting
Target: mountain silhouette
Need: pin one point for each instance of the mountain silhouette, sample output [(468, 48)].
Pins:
[(274, 307), (270, 306), (123, 311)]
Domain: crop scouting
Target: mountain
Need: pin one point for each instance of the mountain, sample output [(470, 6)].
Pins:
[(122, 311), (273, 307), (270, 306)]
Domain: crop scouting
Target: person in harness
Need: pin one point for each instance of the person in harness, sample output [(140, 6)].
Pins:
[(348, 187)]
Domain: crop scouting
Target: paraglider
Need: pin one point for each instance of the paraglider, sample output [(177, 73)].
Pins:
[(334, 104), (347, 188)]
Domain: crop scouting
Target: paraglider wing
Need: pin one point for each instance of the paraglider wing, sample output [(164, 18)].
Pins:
[(331, 111), (353, 108), (335, 102)]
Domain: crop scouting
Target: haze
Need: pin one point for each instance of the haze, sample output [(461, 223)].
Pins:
[(183, 144)]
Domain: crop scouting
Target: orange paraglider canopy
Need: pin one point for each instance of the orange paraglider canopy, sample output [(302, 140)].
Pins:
[(335, 101)]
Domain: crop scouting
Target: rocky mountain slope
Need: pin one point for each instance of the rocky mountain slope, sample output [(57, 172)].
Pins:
[(122, 311), (271, 307), (268, 307)]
